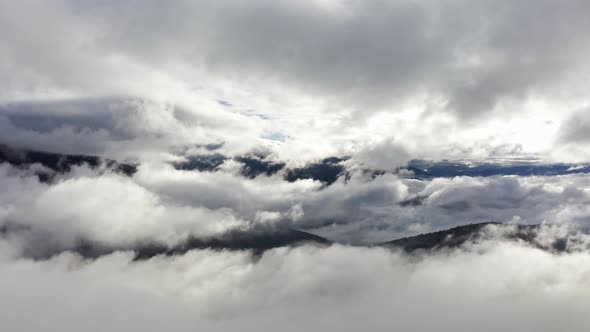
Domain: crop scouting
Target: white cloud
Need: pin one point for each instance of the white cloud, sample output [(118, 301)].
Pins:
[(379, 81), (164, 204), (335, 289), (108, 210)]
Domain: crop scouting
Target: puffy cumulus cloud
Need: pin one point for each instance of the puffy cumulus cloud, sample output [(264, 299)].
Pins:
[(505, 287), (162, 204), (403, 207), (108, 210), (385, 155), (304, 204)]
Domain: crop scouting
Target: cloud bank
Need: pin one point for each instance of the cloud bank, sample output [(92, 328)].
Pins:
[(319, 116), (335, 289)]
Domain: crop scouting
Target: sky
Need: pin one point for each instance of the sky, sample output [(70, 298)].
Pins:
[(431, 79), (378, 83)]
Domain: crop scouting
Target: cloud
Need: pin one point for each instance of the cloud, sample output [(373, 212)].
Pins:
[(324, 76), (162, 204), (109, 210), (336, 289), (577, 128), (379, 82), (385, 155), (374, 211), (118, 127), (472, 54)]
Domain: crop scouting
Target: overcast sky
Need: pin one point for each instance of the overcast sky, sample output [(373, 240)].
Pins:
[(381, 82), (430, 79)]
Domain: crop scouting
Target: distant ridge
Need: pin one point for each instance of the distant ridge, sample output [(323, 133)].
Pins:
[(327, 170), (254, 240), (58, 163), (460, 235), (259, 240), (422, 169)]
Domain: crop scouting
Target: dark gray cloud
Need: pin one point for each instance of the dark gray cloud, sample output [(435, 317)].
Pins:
[(473, 55), (115, 115), (321, 74), (576, 129), (124, 128)]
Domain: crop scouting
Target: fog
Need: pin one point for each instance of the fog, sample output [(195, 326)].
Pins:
[(487, 287)]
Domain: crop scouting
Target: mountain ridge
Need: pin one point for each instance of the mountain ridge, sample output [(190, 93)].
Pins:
[(460, 235)]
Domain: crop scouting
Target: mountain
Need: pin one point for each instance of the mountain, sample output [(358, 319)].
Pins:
[(58, 163), (422, 169), (255, 240), (327, 170), (258, 240), (458, 236)]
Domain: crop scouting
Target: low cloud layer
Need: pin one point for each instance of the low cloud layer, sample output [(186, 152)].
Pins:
[(356, 121), (503, 286), (167, 205)]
